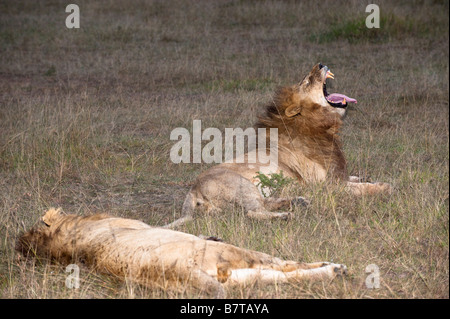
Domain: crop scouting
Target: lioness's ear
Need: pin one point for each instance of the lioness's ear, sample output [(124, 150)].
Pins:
[(51, 215)]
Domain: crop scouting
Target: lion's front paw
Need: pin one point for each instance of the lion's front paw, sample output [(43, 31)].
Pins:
[(384, 187), (300, 201), (285, 215)]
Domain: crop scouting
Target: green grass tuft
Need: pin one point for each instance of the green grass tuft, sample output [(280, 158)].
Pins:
[(392, 27)]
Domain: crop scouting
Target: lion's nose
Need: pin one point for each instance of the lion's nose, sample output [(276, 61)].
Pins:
[(320, 66)]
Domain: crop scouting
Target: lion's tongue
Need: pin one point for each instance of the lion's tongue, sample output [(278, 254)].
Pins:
[(339, 98)]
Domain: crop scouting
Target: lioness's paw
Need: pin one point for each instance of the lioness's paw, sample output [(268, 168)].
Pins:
[(340, 270), (332, 270)]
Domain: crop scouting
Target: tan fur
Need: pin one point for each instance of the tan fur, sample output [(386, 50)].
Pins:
[(309, 150), (160, 257)]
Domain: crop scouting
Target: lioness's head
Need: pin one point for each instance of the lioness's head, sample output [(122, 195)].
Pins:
[(36, 240), (44, 238), (311, 92)]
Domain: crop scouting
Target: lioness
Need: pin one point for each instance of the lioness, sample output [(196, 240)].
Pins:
[(309, 150), (159, 257)]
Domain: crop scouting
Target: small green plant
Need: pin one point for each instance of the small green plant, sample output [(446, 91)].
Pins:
[(51, 71), (272, 184)]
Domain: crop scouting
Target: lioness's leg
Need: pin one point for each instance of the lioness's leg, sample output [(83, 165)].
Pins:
[(247, 275), (204, 282), (180, 279), (239, 265)]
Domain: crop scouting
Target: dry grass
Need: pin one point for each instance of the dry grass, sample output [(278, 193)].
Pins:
[(85, 119)]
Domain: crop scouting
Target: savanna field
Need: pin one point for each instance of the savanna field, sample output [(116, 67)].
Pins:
[(86, 116)]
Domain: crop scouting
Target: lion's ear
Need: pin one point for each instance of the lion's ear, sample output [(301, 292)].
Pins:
[(289, 99), (293, 110), (51, 215)]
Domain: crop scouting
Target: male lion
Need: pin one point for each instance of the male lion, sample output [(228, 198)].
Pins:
[(159, 257), (309, 150)]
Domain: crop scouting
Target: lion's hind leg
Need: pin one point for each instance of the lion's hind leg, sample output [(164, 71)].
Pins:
[(276, 208), (265, 214), (283, 203), (365, 188), (238, 190)]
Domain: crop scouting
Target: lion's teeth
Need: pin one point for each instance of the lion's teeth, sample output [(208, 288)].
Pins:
[(330, 75)]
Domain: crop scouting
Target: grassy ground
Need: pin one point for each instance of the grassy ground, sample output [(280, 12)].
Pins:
[(86, 115)]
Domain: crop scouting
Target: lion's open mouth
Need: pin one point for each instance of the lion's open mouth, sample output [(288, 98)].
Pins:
[(334, 99)]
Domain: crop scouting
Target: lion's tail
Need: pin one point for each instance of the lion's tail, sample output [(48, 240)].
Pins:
[(187, 210)]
